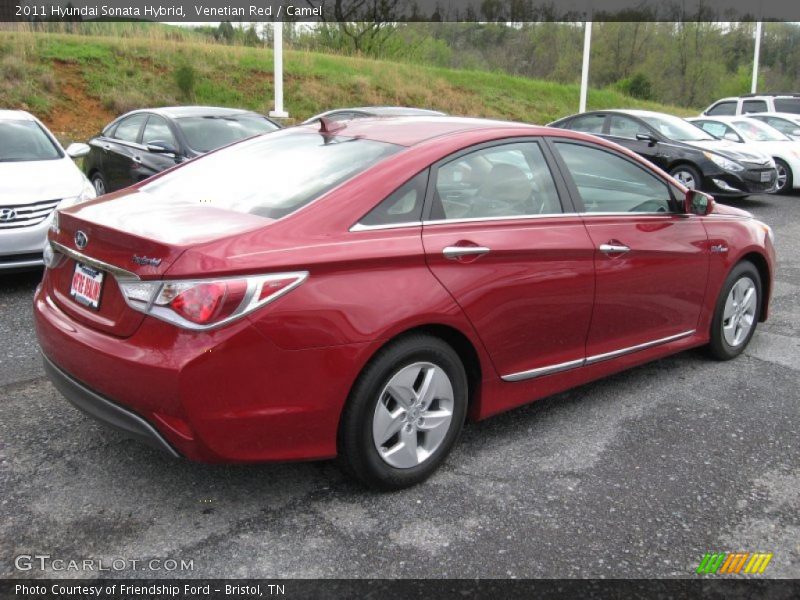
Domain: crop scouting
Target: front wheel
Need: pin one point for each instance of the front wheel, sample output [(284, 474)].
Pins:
[(736, 313), (687, 175), (404, 414), (785, 179)]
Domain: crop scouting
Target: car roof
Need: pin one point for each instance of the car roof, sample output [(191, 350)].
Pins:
[(782, 115), (395, 111), (16, 115), (723, 118), (409, 131), (174, 112)]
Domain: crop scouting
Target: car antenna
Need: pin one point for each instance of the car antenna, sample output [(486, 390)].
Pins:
[(326, 126)]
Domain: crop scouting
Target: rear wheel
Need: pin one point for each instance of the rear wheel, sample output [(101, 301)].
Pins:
[(785, 179), (99, 184), (687, 175), (404, 414), (736, 313)]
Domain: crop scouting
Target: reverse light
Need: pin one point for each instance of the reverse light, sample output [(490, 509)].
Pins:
[(207, 303)]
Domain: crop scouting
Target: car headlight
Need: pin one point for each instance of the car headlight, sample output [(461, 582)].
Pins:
[(87, 193), (722, 162)]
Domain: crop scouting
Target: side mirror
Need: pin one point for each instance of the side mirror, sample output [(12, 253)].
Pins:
[(698, 203), (646, 137), (796, 131), (77, 150), (731, 137), (159, 147)]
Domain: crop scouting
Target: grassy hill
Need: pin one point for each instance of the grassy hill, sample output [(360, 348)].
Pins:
[(76, 84)]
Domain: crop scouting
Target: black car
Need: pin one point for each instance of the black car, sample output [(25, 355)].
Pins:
[(361, 112), (141, 143), (692, 156)]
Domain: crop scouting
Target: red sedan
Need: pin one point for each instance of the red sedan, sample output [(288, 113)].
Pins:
[(357, 290)]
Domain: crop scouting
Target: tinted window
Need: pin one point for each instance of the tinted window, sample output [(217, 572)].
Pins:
[(723, 108), (749, 106), (502, 181), (625, 127), (271, 176), (609, 183), (157, 130), (402, 206), (717, 129), (204, 134), (588, 123), (22, 140), (782, 125), (788, 105), (128, 129)]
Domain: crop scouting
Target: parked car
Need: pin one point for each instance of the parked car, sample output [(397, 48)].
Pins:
[(755, 134), (36, 176), (695, 158), (786, 123), (754, 103), (361, 112), (141, 143), (311, 293)]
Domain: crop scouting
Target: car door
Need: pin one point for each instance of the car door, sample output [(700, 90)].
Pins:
[(624, 130), (120, 149), (500, 235), (651, 259), (158, 131)]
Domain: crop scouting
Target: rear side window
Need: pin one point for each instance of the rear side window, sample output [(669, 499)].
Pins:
[(588, 123), (270, 176), (608, 183), (751, 106), (402, 206), (511, 180), (788, 105), (128, 129), (723, 108)]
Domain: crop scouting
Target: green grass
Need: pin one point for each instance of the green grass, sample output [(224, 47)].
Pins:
[(89, 79)]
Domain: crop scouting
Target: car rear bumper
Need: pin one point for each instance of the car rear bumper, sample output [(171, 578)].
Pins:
[(104, 410)]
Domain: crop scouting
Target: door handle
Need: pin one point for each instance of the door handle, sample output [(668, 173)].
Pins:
[(456, 252), (106, 147), (137, 159), (614, 248)]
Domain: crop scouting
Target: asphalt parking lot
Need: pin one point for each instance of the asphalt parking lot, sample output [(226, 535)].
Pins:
[(637, 475)]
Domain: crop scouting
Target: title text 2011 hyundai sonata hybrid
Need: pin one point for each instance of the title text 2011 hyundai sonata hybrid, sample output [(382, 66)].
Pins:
[(359, 290)]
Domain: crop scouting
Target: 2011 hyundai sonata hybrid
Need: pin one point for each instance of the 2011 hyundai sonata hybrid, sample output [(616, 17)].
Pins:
[(359, 290)]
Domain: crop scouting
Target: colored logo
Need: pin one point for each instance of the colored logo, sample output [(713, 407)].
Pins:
[(734, 563)]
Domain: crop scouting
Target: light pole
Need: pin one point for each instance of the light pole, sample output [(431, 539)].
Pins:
[(277, 38), (587, 47), (754, 85)]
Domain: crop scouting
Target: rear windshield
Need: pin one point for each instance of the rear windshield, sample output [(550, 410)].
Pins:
[(22, 141), (204, 134), (788, 105), (271, 176)]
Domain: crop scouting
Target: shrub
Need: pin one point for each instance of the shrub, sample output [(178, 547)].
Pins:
[(638, 86), (185, 78)]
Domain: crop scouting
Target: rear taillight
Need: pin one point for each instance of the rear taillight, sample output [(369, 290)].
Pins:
[(207, 303)]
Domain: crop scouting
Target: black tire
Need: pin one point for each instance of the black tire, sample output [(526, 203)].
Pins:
[(719, 347), (691, 171), (99, 184), (358, 454), (788, 184)]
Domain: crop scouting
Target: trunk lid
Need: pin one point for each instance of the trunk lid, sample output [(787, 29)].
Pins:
[(130, 235)]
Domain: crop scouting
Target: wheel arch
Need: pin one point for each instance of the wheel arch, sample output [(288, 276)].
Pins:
[(762, 266)]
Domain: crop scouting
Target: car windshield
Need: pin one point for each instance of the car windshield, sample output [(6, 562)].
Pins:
[(271, 176), (23, 140), (756, 131), (204, 134), (675, 128)]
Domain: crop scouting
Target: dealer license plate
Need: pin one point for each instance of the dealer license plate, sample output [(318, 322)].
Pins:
[(87, 283)]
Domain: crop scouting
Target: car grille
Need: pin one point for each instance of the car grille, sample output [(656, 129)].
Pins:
[(26, 215)]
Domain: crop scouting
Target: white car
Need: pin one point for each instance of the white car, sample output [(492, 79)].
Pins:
[(759, 136), (36, 177), (786, 123)]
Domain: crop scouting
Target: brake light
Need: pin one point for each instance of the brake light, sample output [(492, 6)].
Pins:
[(205, 304)]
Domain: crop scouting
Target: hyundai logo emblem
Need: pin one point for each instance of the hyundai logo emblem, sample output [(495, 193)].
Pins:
[(7, 214), (81, 239)]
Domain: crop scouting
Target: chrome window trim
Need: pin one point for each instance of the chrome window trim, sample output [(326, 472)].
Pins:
[(632, 214), (492, 219), (360, 227), (118, 272), (590, 360)]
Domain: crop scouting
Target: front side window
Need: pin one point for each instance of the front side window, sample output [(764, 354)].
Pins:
[(270, 176), (588, 123), (128, 129), (204, 134), (718, 129), (157, 130), (754, 106), (608, 183), (625, 127), (722, 108), (511, 180), (23, 140)]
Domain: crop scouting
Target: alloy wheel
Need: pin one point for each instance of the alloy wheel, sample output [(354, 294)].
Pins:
[(782, 176), (686, 178), (739, 314)]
